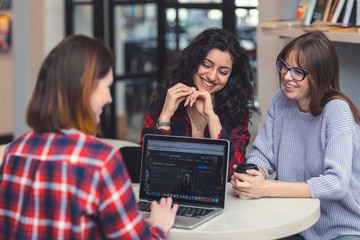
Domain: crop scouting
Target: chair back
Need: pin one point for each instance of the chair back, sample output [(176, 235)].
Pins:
[(132, 159)]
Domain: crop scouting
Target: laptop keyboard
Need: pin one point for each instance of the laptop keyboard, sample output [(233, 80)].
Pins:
[(182, 211)]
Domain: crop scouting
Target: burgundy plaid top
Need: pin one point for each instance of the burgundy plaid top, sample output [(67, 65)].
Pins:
[(237, 134), (67, 186)]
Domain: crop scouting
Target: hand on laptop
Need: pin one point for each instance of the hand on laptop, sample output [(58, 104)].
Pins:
[(162, 214)]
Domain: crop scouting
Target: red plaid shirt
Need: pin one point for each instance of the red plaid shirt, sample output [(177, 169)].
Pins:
[(67, 186), (237, 134)]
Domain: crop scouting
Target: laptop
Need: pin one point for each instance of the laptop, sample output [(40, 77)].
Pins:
[(192, 171)]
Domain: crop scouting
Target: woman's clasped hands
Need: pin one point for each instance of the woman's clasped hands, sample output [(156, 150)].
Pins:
[(193, 97)]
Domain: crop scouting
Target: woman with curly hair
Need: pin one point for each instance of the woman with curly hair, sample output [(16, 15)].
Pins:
[(207, 92)]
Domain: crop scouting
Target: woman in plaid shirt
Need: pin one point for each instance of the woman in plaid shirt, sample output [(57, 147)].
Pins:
[(58, 181), (206, 92)]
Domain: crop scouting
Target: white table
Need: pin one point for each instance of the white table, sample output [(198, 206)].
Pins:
[(266, 218)]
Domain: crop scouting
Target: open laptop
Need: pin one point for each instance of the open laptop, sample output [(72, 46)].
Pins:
[(192, 171)]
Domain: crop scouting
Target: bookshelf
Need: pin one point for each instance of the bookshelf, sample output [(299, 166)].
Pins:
[(292, 33), (271, 41), (5, 25)]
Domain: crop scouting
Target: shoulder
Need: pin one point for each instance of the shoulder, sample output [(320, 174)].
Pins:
[(28, 142), (14, 145), (87, 147), (154, 108), (101, 147), (279, 99), (337, 105), (278, 103), (337, 109), (338, 115), (225, 118)]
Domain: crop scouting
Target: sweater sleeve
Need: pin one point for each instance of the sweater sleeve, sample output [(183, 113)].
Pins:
[(262, 150), (338, 129)]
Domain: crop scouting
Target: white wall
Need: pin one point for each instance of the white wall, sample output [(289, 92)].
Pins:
[(37, 27), (267, 49), (6, 105), (6, 86), (349, 70)]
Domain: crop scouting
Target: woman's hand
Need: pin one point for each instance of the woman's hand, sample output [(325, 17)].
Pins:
[(175, 95), (203, 103), (251, 185), (256, 186), (162, 214)]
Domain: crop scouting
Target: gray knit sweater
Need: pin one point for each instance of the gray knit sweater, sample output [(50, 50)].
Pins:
[(323, 151)]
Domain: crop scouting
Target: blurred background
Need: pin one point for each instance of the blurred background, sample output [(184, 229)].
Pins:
[(145, 35)]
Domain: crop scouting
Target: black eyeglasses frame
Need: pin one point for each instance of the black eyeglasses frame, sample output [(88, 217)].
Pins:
[(305, 73)]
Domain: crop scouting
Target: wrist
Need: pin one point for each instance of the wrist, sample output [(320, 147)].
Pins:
[(215, 126), (262, 172), (164, 117), (162, 124), (211, 117), (165, 229), (267, 189)]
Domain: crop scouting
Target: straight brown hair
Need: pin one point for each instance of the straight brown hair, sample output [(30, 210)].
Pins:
[(67, 78), (315, 52)]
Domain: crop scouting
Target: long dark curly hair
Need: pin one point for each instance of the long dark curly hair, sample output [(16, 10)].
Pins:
[(236, 97)]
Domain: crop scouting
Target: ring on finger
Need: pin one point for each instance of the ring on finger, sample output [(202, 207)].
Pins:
[(177, 90)]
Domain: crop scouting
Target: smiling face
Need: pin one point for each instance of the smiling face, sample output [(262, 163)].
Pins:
[(214, 72), (297, 90), (101, 95)]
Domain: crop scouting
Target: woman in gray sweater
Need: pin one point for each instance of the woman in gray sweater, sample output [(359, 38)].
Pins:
[(311, 138)]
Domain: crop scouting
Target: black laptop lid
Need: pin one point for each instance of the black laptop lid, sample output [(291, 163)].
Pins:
[(190, 170)]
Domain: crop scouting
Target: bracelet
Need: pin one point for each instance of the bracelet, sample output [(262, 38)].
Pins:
[(162, 124)]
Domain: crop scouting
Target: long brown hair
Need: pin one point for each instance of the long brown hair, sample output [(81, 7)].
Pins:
[(318, 56), (67, 78)]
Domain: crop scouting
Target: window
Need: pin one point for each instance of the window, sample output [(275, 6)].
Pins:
[(144, 35)]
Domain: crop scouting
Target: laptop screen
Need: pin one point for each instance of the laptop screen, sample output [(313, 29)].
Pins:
[(190, 170)]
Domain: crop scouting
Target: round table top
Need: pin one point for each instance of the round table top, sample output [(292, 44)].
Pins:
[(265, 218)]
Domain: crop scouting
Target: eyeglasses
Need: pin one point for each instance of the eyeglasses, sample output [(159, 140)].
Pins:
[(297, 73)]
